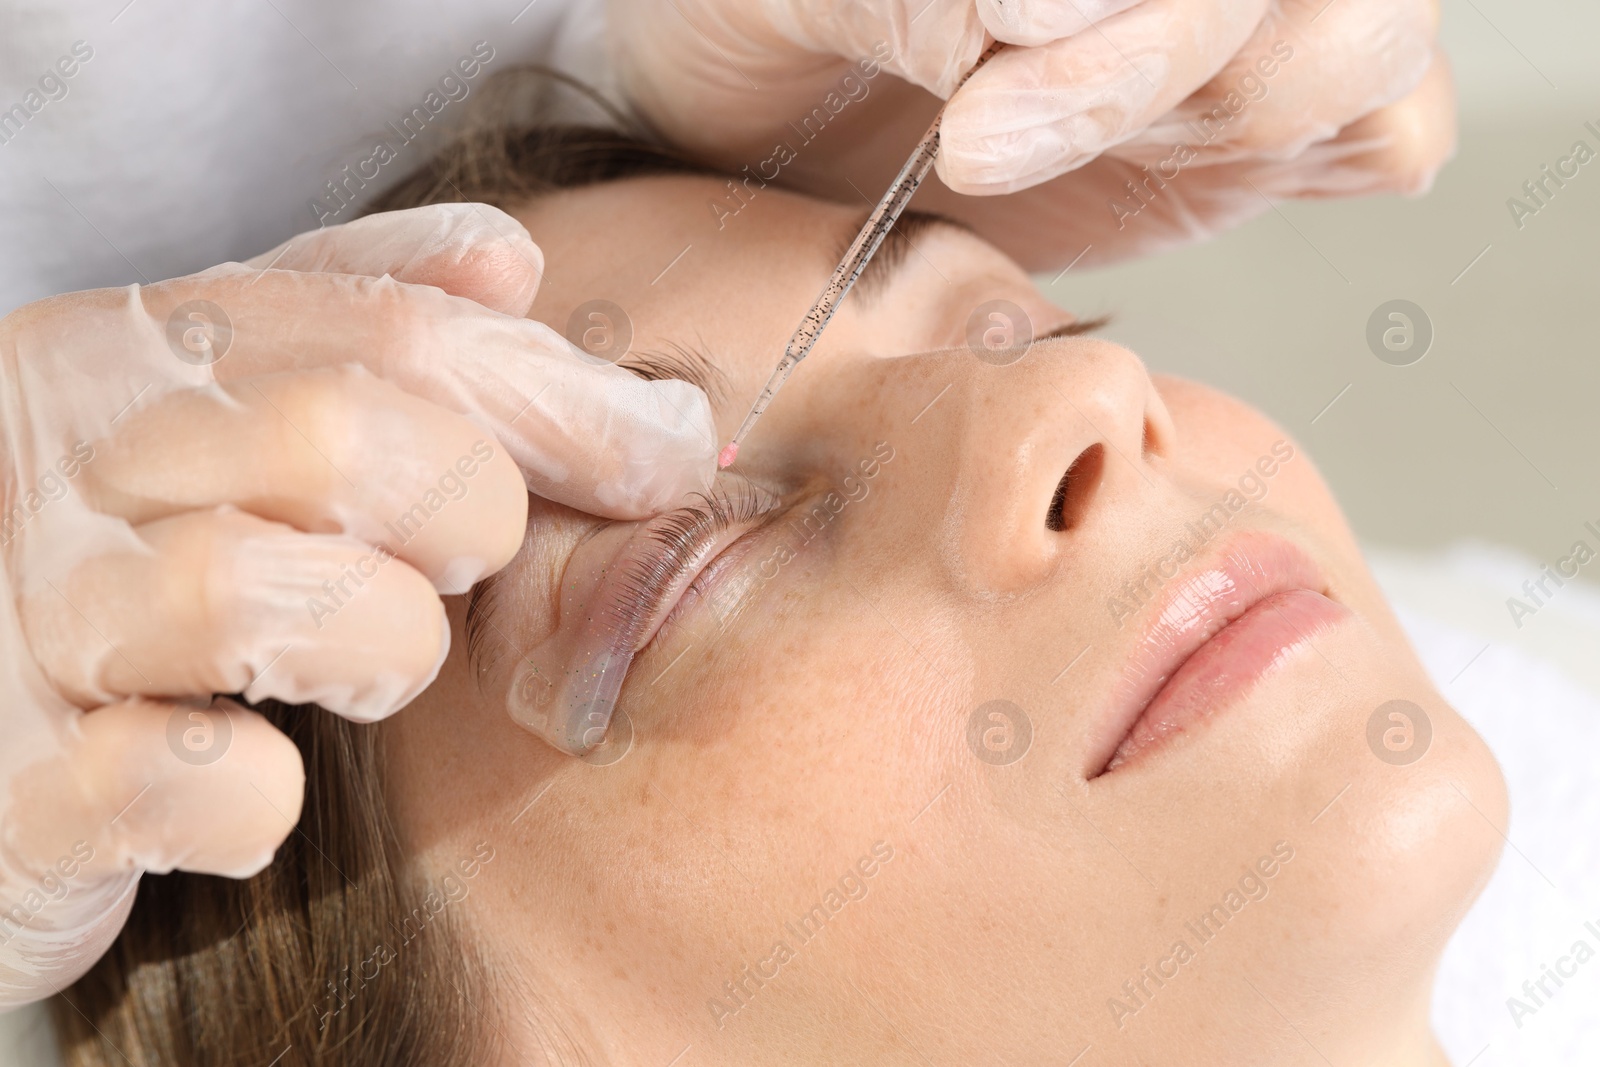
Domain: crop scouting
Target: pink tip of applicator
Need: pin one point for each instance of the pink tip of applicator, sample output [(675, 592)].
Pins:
[(726, 457)]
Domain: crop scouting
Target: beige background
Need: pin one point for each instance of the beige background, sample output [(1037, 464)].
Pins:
[(1265, 313)]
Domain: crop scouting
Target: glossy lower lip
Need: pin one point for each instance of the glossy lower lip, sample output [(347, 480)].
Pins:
[(1215, 632)]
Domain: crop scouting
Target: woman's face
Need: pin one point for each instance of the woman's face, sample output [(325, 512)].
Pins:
[(884, 786)]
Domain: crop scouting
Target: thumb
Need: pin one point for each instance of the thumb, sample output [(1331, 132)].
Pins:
[(162, 786), (471, 250), (131, 794)]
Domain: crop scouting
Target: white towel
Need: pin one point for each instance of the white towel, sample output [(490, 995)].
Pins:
[(1532, 693)]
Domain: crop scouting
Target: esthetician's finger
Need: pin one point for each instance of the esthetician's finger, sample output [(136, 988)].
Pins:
[(586, 433), (1310, 70), (471, 250), (332, 449), (1034, 22), (1395, 149), (162, 787), (1114, 207), (223, 602), (1030, 114)]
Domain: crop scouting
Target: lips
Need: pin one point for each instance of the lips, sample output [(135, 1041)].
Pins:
[(1211, 636)]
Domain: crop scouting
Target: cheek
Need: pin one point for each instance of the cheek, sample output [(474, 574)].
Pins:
[(1223, 442), (1218, 435), (767, 762), (809, 698)]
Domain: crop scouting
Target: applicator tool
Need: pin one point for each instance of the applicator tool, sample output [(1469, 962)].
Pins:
[(855, 260)]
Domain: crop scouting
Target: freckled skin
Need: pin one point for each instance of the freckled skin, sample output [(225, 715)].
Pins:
[(831, 713)]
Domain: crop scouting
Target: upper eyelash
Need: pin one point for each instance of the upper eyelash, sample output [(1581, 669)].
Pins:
[(646, 580), (680, 536)]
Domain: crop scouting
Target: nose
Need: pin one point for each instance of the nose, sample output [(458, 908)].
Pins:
[(1059, 441)]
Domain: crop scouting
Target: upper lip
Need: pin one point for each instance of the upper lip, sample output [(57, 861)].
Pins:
[(1206, 595)]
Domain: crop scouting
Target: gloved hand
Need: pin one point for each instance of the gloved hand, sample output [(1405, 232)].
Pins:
[(258, 479), (1227, 103)]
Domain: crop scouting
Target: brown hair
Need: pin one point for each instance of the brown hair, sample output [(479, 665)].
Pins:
[(496, 159), (317, 960), (333, 955)]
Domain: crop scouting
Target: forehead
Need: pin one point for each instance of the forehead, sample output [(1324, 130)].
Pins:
[(677, 259)]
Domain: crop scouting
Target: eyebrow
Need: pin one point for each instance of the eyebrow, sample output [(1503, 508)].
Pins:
[(897, 247), (682, 363)]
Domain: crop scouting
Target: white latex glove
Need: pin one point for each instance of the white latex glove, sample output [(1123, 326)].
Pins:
[(1317, 99), (278, 521)]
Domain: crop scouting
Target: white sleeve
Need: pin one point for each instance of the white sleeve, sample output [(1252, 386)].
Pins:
[(141, 142), (583, 51)]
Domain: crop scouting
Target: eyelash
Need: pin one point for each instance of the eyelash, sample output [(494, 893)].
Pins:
[(676, 541)]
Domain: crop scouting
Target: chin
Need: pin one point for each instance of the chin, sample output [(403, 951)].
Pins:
[(1385, 883), (1432, 835)]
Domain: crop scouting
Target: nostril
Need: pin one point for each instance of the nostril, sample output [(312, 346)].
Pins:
[(1075, 489), (1149, 446)]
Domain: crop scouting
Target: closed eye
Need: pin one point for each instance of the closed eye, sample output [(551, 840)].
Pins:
[(1076, 328), (671, 551), (673, 361)]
